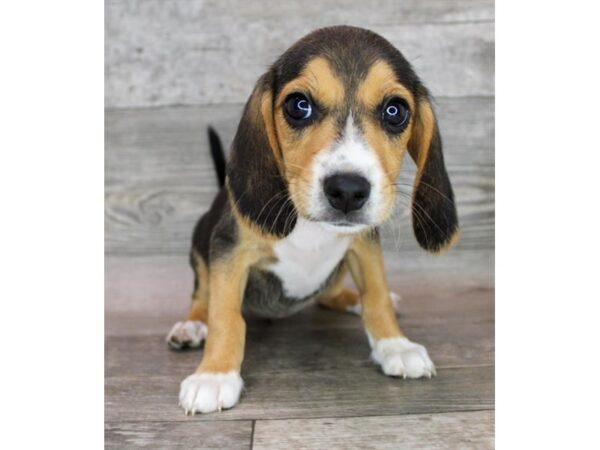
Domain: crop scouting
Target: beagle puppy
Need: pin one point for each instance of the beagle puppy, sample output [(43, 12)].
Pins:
[(311, 176)]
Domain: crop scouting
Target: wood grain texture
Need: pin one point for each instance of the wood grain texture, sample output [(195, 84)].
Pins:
[(305, 392), (160, 435), (464, 431), (212, 52), (159, 178), (274, 348)]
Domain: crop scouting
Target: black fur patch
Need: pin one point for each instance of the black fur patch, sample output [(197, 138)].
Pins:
[(216, 230), (265, 297), (434, 213), (259, 190)]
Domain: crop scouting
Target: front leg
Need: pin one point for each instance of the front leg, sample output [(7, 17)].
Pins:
[(217, 383), (393, 351)]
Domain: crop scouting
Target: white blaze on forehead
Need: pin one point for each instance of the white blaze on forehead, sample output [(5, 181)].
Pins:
[(350, 154)]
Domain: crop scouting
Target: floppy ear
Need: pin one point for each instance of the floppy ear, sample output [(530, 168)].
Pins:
[(435, 223), (254, 179)]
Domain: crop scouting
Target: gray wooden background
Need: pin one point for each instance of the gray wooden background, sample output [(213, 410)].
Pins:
[(175, 66)]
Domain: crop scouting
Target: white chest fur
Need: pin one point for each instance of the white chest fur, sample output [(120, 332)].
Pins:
[(307, 256)]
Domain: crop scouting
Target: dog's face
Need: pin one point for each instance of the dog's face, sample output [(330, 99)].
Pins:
[(324, 134), (342, 139)]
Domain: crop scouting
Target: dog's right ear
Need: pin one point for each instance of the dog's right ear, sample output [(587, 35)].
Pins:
[(254, 179)]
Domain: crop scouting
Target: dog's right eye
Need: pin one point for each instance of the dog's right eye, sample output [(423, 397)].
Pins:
[(298, 109)]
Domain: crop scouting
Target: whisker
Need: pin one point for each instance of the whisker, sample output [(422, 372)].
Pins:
[(432, 221), (433, 188), (281, 208), (273, 197)]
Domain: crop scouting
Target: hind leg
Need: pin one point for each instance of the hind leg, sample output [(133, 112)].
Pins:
[(191, 332), (338, 298), (345, 300)]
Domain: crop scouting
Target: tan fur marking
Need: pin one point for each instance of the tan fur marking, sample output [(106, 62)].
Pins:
[(224, 348), (298, 149), (381, 83), (343, 300), (454, 239), (365, 260), (422, 134), (266, 109), (317, 79), (336, 296), (199, 308)]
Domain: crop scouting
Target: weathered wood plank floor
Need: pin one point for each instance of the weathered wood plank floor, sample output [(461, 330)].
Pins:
[(309, 380)]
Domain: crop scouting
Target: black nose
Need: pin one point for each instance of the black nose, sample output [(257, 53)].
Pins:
[(346, 191)]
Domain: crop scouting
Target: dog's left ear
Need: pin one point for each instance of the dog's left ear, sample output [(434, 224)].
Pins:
[(435, 222), (254, 179)]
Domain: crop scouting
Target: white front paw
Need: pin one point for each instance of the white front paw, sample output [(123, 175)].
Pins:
[(208, 392), (190, 333), (400, 357)]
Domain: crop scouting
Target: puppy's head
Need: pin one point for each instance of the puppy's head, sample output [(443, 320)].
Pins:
[(323, 136)]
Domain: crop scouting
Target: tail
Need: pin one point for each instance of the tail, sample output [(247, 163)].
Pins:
[(218, 156)]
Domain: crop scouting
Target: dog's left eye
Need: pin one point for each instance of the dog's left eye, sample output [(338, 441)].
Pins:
[(395, 115), (298, 109)]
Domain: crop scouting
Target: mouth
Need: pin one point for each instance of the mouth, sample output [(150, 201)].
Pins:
[(344, 227), (345, 224)]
